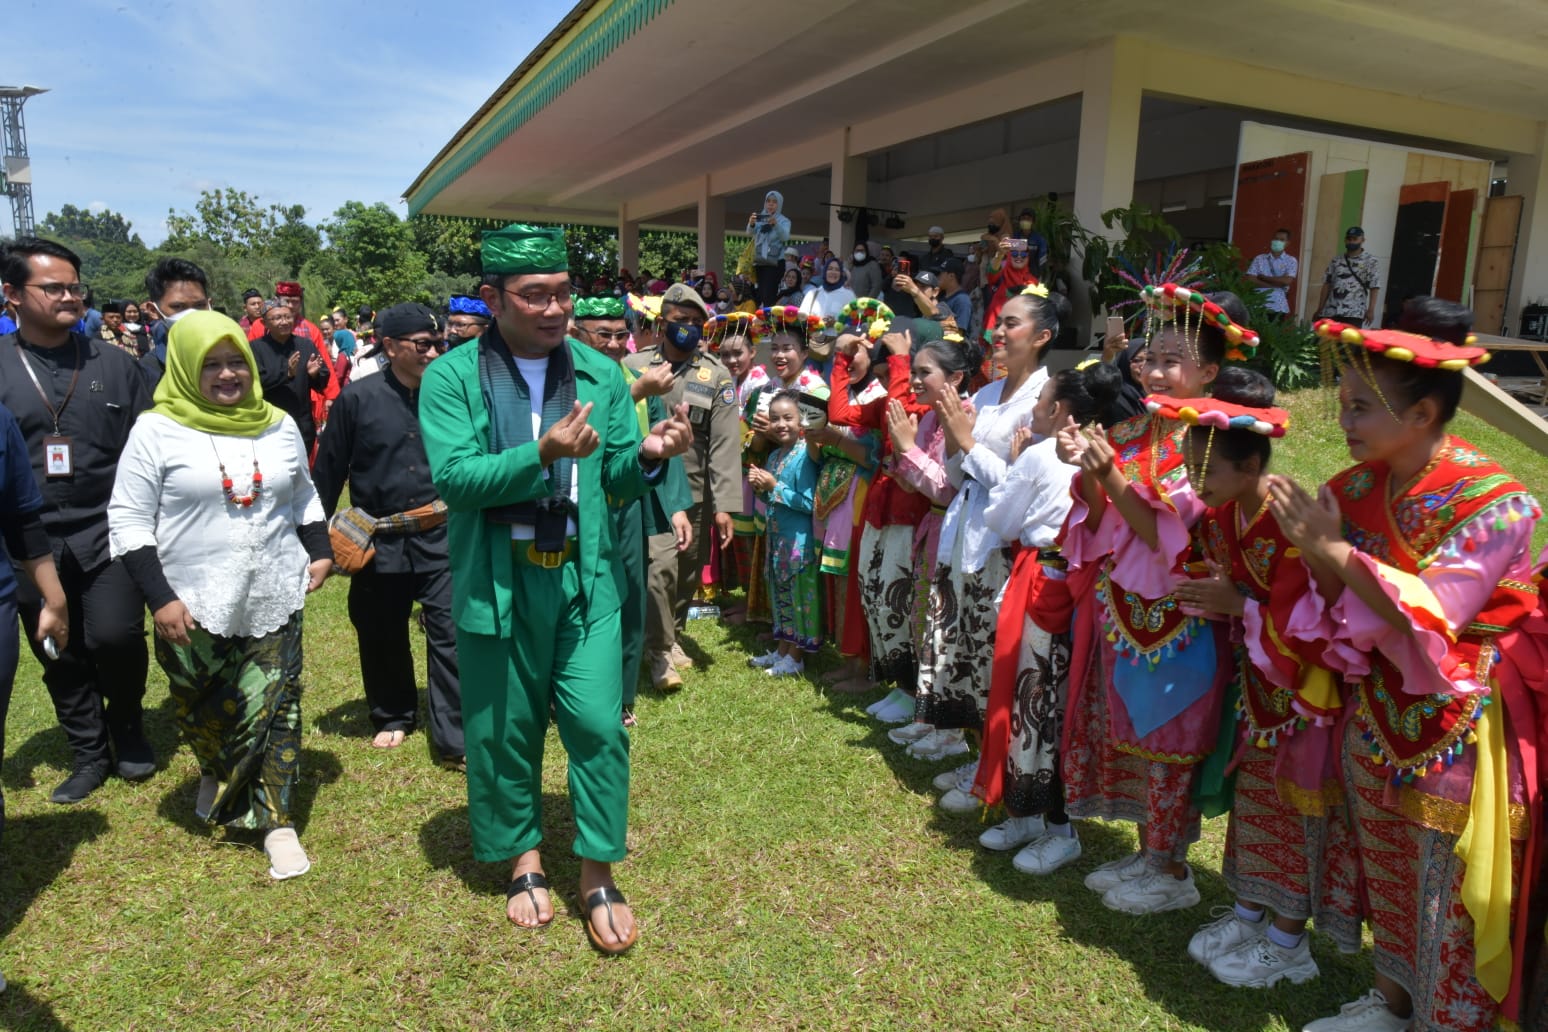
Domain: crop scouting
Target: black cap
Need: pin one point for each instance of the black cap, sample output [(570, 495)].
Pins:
[(926, 278), (954, 266), (409, 317), (249, 292), (1354, 231)]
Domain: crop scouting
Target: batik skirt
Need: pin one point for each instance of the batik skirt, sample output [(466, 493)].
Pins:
[(1032, 780), (238, 700), (957, 665), (887, 588)]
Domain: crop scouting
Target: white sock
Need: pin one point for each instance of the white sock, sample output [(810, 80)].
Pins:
[(1250, 916), (1283, 939)]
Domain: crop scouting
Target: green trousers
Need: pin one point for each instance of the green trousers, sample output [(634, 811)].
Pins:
[(629, 533), (561, 660)]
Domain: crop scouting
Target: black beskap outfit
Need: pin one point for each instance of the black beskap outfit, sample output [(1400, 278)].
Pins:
[(289, 392), (373, 441), (91, 393)]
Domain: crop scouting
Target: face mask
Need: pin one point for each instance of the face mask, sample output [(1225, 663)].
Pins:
[(683, 337), (1350, 247), (993, 228), (1277, 246), (174, 318), (972, 259), (861, 256), (1026, 225), (936, 242)]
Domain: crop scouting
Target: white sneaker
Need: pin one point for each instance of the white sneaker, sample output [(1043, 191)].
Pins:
[(1223, 934), (788, 666), (1116, 872), (1048, 853), (1367, 1014), (766, 660), (286, 857), (1153, 892), (958, 801), (911, 733), (1012, 833), (1261, 963), (953, 778), (900, 712), (891, 700), (940, 745)]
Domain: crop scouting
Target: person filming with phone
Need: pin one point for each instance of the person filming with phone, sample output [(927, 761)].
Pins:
[(770, 231), (1008, 273)]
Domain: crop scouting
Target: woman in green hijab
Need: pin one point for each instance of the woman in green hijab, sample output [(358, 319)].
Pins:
[(215, 515)]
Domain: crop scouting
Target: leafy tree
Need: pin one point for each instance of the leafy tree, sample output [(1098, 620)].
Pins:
[(295, 243), (80, 224), (450, 245), (233, 220), (375, 255), (666, 255)]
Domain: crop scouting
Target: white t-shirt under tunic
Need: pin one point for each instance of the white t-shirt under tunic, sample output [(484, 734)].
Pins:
[(535, 372), (240, 571)]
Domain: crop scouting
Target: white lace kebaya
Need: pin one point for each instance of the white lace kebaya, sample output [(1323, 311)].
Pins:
[(240, 569)]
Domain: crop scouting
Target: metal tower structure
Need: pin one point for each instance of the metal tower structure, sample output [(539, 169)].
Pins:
[(16, 170)]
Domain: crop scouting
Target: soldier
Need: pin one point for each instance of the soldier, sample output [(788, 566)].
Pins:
[(714, 468)]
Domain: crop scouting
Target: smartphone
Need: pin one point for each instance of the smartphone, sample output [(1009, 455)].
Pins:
[(1114, 327), (905, 267), (1015, 245)]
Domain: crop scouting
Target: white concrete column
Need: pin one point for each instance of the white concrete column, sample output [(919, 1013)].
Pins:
[(1528, 176), (1109, 144), (628, 241), (847, 186), (712, 230)]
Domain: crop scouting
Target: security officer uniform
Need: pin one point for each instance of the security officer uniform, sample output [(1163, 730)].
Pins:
[(714, 469)]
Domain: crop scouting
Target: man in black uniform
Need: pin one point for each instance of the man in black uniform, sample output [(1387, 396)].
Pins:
[(174, 286), (75, 399), (373, 441), (289, 367)]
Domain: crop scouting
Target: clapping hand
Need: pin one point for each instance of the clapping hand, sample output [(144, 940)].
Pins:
[(760, 479), (570, 438), (668, 438), (1019, 441), (957, 421), (903, 428), (1315, 526), (1214, 595)]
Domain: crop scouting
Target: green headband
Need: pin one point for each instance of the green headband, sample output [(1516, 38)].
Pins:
[(598, 308), (521, 250)]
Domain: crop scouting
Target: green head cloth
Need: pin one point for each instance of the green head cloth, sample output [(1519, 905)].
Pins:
[(519, 250), (599, 308), (178, 396)]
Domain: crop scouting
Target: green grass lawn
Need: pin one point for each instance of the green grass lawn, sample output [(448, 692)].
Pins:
[(788, 867)]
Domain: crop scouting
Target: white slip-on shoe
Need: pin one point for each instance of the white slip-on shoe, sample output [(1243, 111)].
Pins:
[(910, 733), (940, 746), (889, 701), (899, 712), (286, 857), (1047, 854), (958, 801), (951, 779), (766, 660), (1012, 833)]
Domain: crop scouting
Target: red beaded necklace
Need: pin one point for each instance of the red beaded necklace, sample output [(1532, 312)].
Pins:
[(243, 501)]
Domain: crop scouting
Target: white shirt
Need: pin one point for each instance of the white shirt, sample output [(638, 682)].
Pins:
[(240, 571), (1268, 264), (977, 472), (826, 304), (535, 372), (1031, 503)]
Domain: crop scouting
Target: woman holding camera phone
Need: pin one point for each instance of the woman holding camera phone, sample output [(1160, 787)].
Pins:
[(1008, 273), (770, 230)]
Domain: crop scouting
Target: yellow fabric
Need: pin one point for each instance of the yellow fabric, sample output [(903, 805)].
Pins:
[(641, 409), (1417, 600), (1484, 847), (178, 396), (1316, 686)]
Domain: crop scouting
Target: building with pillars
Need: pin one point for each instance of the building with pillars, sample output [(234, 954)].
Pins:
[(1229, 117)]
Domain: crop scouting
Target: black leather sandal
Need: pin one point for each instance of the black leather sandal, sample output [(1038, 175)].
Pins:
[(605, 897), (528, 883)]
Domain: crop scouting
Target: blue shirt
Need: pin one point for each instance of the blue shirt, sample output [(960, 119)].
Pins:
[(7, 324), (19, 492), (961, 307)]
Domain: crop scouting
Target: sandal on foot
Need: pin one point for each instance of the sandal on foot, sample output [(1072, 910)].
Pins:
[(395, 738), (606, 897), (529, 883)]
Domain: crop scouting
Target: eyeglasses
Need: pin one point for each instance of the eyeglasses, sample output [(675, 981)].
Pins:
[(424, 347), (1019, 254), (57, 291), (539, 300), (620, 336), (465, 324)]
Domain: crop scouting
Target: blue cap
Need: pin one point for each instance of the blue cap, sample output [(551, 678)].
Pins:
[(462, 304)]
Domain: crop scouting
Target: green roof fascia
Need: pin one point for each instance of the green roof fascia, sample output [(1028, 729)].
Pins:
[(579, 57)]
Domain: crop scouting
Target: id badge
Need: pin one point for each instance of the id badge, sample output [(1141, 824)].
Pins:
[(58, 458)]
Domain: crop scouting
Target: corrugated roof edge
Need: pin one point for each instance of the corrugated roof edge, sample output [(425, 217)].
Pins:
[(521, 102)]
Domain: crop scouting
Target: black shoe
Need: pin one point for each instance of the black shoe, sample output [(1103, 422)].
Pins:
[(85, 779), (136, 761)]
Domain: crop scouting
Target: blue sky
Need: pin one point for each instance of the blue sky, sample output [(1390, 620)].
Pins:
[(152, 101)]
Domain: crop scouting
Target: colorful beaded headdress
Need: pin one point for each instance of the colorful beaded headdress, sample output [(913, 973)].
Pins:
[(727, 324), (784, 319), (1190, 311), (867, 317), (647, 307), (1353, 346), (1215, 414)]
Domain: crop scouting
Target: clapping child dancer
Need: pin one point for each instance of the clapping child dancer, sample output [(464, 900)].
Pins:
[(1424, 550), (940, 369), (1288, 846), (1019, 765), (786, 488), (1148, 711)]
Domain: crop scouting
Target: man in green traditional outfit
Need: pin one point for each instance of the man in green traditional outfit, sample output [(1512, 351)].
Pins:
[(599, 322), (529, 435)]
